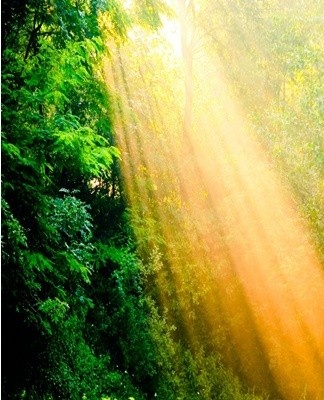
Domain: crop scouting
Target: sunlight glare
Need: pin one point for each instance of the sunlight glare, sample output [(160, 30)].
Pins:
[(235, 247), (171, 31)]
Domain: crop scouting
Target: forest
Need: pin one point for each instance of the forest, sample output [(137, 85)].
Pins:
[(162, 199)]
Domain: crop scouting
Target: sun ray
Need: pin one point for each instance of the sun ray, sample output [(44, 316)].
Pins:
[(235, 247)]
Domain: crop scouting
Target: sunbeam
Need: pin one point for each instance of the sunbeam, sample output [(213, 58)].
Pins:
[(238, 259)]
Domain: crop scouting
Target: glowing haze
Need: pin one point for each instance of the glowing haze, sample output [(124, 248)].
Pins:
[(237, 256)]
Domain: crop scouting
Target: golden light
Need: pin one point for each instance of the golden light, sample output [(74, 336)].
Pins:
[(235, 247)]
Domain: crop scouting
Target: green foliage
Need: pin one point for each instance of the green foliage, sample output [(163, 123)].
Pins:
[(56, 131), (81, 313), (54, 308), (70, 217), (75, 370), (291, 126), (14, 239), (59, 164), (123, 315), (148, 13)]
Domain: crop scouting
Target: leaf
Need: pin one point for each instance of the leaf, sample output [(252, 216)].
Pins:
[(54, 308), (75, 266), (11, 150), (38, 262)]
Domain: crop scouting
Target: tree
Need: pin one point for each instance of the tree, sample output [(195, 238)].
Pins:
[(61, 187)]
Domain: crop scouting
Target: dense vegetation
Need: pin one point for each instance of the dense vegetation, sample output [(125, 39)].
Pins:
[(82, 316)]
